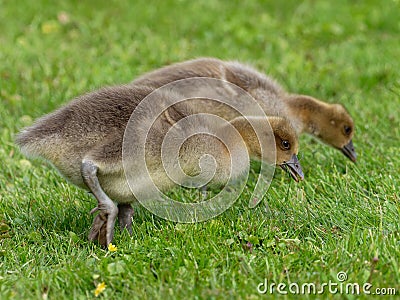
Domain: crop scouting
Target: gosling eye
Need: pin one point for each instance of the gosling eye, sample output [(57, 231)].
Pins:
[(285, 145), (347, 130)]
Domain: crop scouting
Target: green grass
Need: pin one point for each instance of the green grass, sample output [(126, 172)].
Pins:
[(339, 219)]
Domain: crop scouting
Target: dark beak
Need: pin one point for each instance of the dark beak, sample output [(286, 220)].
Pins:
[(349, 151), (294, 168)]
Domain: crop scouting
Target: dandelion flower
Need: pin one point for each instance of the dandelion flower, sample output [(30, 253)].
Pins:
[(50, 27), (112, 248), (99, 289)]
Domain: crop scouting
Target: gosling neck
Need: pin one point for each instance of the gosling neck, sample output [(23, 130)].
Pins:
[(306, 113), (248, 135)]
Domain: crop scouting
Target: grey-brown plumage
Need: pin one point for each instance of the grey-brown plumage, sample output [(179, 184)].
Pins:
[(84, 139), (330, 123)]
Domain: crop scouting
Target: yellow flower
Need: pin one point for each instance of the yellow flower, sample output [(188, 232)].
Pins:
[(99, 289), (50, 27), (112, 248)]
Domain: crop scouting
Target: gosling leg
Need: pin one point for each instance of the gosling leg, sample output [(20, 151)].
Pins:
[(103, 224), (125, 213), (203, 191)]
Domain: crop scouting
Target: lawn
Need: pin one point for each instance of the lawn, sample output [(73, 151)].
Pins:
[(343, 218)]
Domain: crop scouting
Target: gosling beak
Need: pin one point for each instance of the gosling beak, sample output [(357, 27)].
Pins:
[(349, 151), (294, 168)]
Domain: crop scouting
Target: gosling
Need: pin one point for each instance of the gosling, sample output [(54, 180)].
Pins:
[(330, 123), (84, 141)]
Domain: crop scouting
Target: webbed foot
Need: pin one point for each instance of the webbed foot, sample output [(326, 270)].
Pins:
[(103, 225), (125, 213)]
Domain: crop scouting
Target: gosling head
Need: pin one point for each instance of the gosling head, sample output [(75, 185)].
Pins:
[(287, 147), (337, 130), (284, 137), (331, 123)]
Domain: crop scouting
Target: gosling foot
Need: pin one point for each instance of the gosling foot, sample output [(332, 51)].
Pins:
[(125, 214), (103, 225)]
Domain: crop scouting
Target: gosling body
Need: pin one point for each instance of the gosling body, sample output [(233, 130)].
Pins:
[(84, 141)]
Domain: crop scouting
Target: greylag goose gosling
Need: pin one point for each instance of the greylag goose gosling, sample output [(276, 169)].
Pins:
[(330, 123), (84, 141)]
